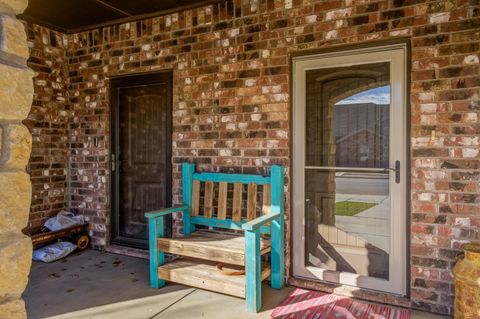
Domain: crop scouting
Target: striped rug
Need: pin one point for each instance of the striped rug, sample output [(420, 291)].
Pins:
[(306, 304)]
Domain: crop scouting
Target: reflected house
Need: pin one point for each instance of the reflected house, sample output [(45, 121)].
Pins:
[(361, 135)]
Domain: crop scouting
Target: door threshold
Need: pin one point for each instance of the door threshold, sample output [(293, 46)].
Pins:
[(352, 292), (127, 251)]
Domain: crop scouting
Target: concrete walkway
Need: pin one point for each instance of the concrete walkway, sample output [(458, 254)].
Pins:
[(98, 285)]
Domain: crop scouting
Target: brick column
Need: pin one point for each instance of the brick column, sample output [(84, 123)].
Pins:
[(16, 93)]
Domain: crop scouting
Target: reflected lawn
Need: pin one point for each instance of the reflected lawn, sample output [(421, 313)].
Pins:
[(348, 208)]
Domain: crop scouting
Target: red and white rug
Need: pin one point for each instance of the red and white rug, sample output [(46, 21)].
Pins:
[(306, 304)]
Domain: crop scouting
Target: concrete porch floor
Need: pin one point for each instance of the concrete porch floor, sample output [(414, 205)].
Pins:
[(94, 284)]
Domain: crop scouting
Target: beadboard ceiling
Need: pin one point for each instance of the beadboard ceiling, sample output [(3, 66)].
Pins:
[(70, 16)]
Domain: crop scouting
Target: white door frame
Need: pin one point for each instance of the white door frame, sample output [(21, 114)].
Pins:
[(396, 55)]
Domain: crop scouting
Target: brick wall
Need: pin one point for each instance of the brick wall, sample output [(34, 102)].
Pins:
[(48, 123), (231, 104)]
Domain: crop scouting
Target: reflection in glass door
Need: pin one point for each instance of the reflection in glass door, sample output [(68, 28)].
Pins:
[(349, 216)]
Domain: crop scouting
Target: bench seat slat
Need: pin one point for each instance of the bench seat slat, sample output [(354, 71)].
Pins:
[(210, 245)]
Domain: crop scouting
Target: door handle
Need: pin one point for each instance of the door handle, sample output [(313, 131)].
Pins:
[(396, 170), (113, 162)]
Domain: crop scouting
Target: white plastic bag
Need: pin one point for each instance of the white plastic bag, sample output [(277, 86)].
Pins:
[(63, 220), (54, 251)]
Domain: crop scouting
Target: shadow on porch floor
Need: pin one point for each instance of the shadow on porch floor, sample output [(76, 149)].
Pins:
[(94, 284)]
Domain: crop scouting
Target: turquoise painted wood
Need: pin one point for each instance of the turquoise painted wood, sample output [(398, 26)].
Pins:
[(278, 232), (225, 223), (157, 258), (252, 229), (253, 271), (188, 170), (231, 178), (166, 211), (257, 223)]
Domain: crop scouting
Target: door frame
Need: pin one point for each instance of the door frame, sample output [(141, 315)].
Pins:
[(133, 80), (402, 284)]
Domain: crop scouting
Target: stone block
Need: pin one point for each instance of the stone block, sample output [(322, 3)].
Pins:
[(13, 309), (17, 146), (16, 257), (17, 6), (16, 92), (13, 39), (15, 199)]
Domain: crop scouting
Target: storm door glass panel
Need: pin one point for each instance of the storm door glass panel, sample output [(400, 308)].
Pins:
[(347, 200)]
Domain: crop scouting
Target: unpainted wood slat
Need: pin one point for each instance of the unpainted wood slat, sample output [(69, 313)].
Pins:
[(208, 203), (237, 202), (205, 275), (221, 247), (266, 209), (222, 200), (252, 201), (195, 198)]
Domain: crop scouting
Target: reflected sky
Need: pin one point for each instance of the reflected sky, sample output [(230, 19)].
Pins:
[(380, 95)]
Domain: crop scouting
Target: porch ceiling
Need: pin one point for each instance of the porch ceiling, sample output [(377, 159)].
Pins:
[(70, 16)]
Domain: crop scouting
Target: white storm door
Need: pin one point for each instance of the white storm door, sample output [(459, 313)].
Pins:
[(349, 159)]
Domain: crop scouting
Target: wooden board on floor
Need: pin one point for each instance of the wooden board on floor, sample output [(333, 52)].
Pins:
[(204, 275), (209, 245)]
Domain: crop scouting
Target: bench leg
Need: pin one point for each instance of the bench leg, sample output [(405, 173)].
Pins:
[(157, 258), (253, 291), (277, 255)]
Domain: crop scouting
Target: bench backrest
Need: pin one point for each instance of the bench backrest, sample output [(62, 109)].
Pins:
[(218, 199)]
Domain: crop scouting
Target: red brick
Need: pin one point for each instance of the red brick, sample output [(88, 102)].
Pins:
[(240, 65)]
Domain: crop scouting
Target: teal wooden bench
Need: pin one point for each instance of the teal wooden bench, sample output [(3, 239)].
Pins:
[(210, 256)]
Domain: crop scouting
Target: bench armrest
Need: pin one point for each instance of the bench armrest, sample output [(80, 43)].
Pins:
[(260, 221), (166, 211)]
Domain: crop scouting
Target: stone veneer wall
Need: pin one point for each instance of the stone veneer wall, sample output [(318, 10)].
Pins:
[(231, 106), (16, 91)]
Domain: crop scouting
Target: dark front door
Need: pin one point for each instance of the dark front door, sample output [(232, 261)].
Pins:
[(141, 154)]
